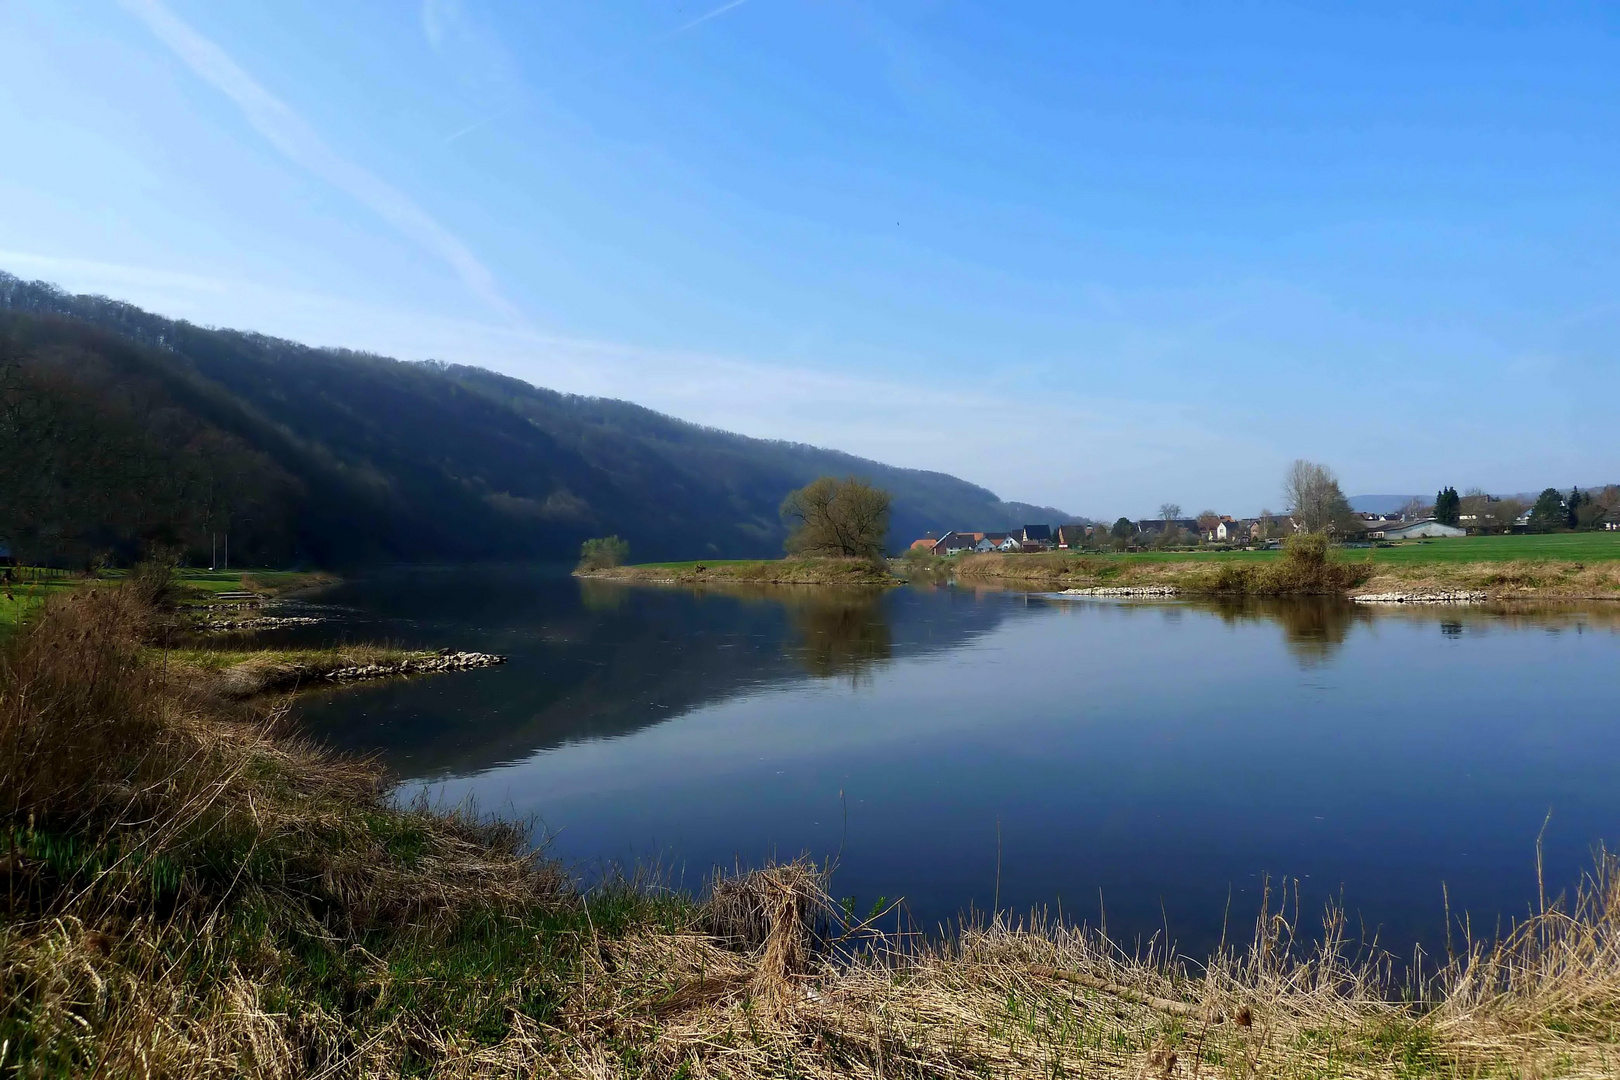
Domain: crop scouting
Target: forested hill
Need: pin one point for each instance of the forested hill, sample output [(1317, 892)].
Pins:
[(121, 428)]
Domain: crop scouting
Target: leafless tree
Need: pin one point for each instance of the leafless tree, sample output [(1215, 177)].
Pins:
[(1414, 508), (1313, 495), (1169, 511), (1500, 514), (1208, 522)]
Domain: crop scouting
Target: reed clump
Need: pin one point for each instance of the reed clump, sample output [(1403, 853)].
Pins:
[(204, 895)]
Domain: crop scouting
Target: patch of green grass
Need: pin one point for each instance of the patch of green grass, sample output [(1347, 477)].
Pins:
[(30, 589), (1570, 547), (34, 585)]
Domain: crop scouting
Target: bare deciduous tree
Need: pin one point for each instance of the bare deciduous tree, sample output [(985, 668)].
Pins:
[(1169, 511), (1314, 497), (1208, 522), (1414, 508), (846, 517)]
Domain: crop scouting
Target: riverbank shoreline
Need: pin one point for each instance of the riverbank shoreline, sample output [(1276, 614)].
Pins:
[(195, 891), (1462, 582), (242, 673), (791, 571)]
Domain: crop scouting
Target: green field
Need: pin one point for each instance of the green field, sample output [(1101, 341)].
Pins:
[(30, 589), (34, 585), (1572, 547)]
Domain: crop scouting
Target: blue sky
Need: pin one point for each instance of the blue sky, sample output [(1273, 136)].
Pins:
[(1097, 256)]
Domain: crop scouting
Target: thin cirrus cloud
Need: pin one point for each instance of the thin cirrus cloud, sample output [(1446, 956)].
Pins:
[(706, 16), (298, 142)]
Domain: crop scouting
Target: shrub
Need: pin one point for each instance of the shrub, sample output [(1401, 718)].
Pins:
[(603, 551)]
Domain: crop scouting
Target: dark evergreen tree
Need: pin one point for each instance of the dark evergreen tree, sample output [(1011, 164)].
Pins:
[(1447, 506), (1548, 513), (1572, 508)]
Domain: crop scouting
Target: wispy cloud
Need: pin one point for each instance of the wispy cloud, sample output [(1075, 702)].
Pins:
[(706, 16), (295, 139)]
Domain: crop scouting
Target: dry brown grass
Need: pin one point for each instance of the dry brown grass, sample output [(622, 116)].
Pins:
[(1527, 579), (207, 897), (1305, 568)]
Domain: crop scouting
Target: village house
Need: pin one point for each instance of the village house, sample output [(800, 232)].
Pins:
[(1035, 537), (1157, 526), (998, 541), (954, 542), (1071, 536)]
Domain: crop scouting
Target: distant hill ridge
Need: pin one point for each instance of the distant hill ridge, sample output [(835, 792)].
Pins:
[(176, 432)]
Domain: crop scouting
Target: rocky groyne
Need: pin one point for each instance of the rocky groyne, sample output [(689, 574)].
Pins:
[(1125, 591), (1460, 596), (415, 665)]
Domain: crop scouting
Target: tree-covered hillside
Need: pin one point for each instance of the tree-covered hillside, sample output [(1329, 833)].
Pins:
[(122, 428)]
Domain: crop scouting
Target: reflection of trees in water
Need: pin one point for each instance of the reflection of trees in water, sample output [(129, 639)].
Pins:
[(1314, 627), (841, 632), (599, 597), (836, 631)]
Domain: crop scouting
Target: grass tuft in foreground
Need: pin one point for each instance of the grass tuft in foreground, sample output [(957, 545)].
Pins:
[(190, 891)]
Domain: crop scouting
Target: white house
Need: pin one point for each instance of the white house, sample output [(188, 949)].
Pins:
[(1424, 528)]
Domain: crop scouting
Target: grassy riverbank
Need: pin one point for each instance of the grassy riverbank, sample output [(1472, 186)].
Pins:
[(193, 891), (193, 588), (790, 571), (247, 672), (1497, 566)]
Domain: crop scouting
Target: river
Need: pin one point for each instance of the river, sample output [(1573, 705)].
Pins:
[(1153, 765)]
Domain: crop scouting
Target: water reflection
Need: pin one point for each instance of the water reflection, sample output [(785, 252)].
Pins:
[(595, 659), (841, 632), (1313, 627), (955, 744)]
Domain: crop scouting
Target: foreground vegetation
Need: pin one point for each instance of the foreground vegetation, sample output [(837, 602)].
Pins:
[(192, 891)]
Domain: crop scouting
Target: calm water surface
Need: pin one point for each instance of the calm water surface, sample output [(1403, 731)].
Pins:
[(960, 748)]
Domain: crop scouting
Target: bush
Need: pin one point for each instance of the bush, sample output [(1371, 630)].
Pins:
[(601, 552)]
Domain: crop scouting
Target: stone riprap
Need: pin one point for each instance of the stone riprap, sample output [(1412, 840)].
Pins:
[(417, 665), (1459, 597), (1125, 590), (257, 622)]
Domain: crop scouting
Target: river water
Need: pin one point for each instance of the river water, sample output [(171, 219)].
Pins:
[(1151, 764)]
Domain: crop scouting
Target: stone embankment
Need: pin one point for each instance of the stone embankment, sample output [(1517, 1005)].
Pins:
[(1451, 597), (416, 665), (257, 622), (1125, 590)]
